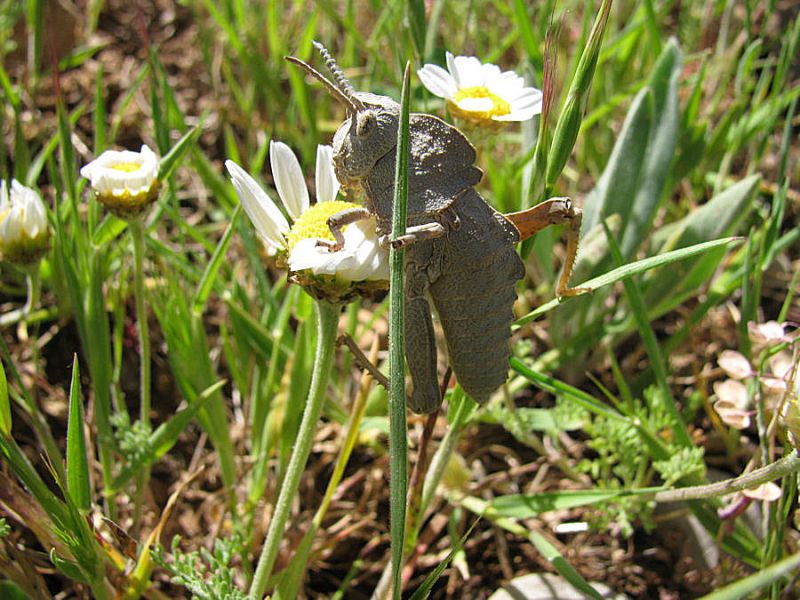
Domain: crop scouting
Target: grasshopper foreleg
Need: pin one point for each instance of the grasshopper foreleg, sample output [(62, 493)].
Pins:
[(555, 211), (339, 221)]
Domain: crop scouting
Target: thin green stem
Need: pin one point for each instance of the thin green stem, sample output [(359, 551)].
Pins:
[(34, 290), (780, 468), (137, 233), (327, 320)]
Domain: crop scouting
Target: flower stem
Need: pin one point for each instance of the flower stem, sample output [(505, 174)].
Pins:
[(785, 466), (327, 320), (34, 290), (137, 233)]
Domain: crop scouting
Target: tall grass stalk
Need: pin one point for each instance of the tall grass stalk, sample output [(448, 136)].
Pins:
[(398, 440), (327, 321)]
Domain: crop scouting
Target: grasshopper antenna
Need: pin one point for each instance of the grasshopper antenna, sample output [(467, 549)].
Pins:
[(338, 76), (352, 104)]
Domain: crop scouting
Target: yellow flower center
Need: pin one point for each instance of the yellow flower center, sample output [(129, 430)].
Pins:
[(126, 167), (478, 103), (313, 223)]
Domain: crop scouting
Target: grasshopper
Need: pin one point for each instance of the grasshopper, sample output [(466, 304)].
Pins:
[(460, 252)]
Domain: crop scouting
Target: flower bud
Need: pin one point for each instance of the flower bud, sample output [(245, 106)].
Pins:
[(24, 231), (125, 182)]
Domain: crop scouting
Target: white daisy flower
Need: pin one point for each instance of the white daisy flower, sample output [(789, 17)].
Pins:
[(481, 93), (126, 182), (24, 232), (362, 259)]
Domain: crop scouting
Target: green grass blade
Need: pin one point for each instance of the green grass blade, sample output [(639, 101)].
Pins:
[(416, 19), (554, 386), (525, 506), (398, 450), (631, 269), (424, 590), (545, 548), (785, 569), (170, 161), (5, 404), (212, 269), (658, 363), (78, 482), (99, 118), (569, 121)]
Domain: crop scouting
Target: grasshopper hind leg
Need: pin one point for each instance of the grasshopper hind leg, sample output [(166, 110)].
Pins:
[(420, 341)]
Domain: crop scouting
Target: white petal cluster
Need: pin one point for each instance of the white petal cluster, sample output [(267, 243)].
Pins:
[(24, 232), (361, 259), (481, 92), (117, 173)]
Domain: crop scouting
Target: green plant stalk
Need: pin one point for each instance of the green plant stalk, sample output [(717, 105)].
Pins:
[(650, 342), (137, 234), (290, 584), (439, 462), (569, 120), (327, 320), (785, 466), (38, 420), (398, 441), (136, 227)]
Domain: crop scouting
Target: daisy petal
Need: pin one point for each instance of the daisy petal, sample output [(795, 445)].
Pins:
[(438, 81), (268, 220), (306, 254), (289, 180), (326, 182), (467, 71)]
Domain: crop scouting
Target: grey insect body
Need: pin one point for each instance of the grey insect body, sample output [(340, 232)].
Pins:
[(459, 251)]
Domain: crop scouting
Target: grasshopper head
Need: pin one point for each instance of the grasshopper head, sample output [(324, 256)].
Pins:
[(370, 130), (366, 136)]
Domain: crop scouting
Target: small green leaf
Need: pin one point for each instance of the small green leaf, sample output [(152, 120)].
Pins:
[(620, 180), (165, 436), (109, 229), (77, 462), (79, 56), (68, 568)]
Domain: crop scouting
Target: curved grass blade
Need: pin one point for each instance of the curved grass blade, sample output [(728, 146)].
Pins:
[(5, 405), (631, 269)]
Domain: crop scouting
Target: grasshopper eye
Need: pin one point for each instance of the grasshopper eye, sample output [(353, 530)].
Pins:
[(365, 123)]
